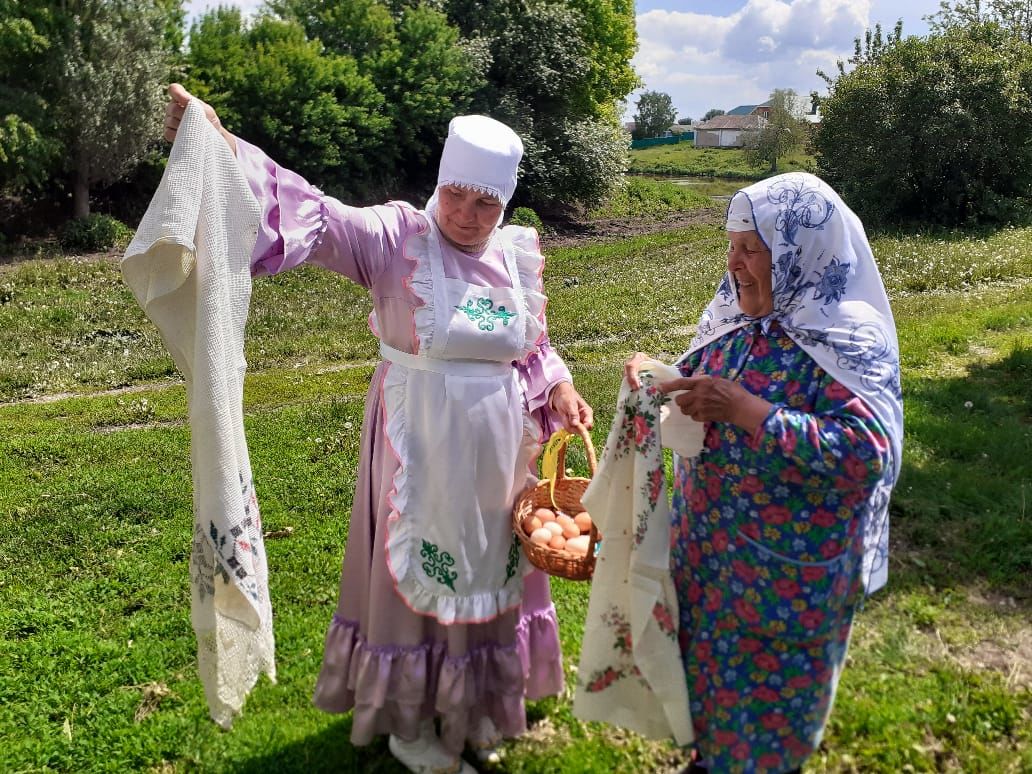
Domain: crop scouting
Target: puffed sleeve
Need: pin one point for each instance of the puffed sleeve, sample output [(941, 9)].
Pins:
[(539, 374), (301, 224), (540, 368)]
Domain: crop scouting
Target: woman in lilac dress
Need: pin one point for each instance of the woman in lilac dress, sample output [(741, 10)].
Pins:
[(440, 618), (780, 525)]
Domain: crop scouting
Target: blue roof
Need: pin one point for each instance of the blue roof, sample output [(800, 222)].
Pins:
[(742, 110)]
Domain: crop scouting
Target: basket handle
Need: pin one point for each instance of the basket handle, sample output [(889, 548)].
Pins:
[(553, 459)]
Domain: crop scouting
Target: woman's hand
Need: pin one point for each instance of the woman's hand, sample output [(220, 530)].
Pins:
[(631, 366), (178, 99), (716, 399), (573, 410)]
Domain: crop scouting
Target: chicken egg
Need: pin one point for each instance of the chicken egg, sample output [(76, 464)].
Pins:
[(578, 545), (553, 527), (583, 522), (544, 514), (541, 536), (530, 523), (570, 529)]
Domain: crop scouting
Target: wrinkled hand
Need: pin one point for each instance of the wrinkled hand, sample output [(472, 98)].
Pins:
[(178, 99), (716, 399), (573, 410), (631, 367)]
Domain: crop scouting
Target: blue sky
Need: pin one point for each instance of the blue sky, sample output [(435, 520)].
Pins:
[(722, 53)]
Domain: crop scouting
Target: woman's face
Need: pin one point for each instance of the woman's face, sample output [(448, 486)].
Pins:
[(749, 262), (466, 217)]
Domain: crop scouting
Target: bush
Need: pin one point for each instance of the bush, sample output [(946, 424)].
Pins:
[(95, 233), (525, 216), (949, 141)]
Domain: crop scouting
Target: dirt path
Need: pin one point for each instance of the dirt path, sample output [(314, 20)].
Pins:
[(164, 384), (574, 233)]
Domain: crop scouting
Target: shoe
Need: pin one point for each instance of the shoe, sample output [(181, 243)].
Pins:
[(426, 755), (483, 740)]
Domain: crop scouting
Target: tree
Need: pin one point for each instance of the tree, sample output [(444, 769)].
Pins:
[(558, 69), (782, 133), (951, 139), (29, 147), (311, 110), (416, 60), (1012, 15), (81, 91), (712, 113), (684, 121), (113, 72), (655, 114)]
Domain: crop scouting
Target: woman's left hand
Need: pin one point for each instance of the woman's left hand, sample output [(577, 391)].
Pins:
[(716, 399), (573, 410)]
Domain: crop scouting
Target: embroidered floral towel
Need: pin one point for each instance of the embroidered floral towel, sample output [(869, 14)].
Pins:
[(188, 267), (679, 431), (630, 670)]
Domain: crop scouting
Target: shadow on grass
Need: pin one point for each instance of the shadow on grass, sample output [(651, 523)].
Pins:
[(331, 752), (328, 751), (962, 511)]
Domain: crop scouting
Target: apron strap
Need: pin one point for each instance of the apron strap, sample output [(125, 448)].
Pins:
[(442, 366)]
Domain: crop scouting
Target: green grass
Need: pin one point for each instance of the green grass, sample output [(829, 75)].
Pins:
[(685, 159), (643, 198), (97, 657)]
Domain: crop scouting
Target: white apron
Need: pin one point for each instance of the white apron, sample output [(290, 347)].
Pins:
[(455, 419)]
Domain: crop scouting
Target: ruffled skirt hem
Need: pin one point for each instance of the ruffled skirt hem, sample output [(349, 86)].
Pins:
[(392, 689)]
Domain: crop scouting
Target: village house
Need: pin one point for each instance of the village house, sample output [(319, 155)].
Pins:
[(728, 130)]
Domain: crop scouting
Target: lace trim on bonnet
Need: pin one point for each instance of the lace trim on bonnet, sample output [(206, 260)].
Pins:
[(478, 187)]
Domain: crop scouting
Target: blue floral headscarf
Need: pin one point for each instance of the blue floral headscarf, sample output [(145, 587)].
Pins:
[(829, 298)]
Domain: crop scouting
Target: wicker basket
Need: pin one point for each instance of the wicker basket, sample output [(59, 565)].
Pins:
[(564, 496)]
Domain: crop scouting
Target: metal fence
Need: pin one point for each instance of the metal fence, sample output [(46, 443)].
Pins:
[(649, 142)]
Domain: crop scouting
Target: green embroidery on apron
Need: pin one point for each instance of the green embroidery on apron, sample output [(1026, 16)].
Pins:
[(437, 564), (484, 314), (514, 558)]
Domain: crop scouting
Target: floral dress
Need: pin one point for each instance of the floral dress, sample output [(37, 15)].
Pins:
[(766, 546)]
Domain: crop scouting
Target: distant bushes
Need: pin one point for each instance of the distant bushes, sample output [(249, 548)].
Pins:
[(94, 234)]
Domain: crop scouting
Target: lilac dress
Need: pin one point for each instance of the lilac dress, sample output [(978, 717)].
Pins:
[(392, 666)]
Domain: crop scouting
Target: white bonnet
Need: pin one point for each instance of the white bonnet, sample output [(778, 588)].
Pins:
[(483, 154)]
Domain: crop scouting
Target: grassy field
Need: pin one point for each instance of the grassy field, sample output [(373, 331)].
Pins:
[(685, 159), (97, 656)]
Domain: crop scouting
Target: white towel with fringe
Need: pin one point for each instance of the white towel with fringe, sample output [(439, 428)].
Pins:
[(189, 268)]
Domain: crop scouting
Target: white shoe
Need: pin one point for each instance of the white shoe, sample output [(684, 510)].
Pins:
[(426, 755), (483, 740)]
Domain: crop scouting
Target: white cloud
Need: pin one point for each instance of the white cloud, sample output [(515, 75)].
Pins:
[(704, 61), (197, 7)]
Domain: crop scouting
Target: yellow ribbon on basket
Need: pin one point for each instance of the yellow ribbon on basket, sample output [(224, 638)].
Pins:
[(550, 459)]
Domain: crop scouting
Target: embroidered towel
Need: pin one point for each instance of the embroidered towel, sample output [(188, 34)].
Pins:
[(680, 433), (188, 267), (630, 670)]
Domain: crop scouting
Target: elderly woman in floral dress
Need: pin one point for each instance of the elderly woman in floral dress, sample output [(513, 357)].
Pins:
[(780, 525), (440, 620)]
